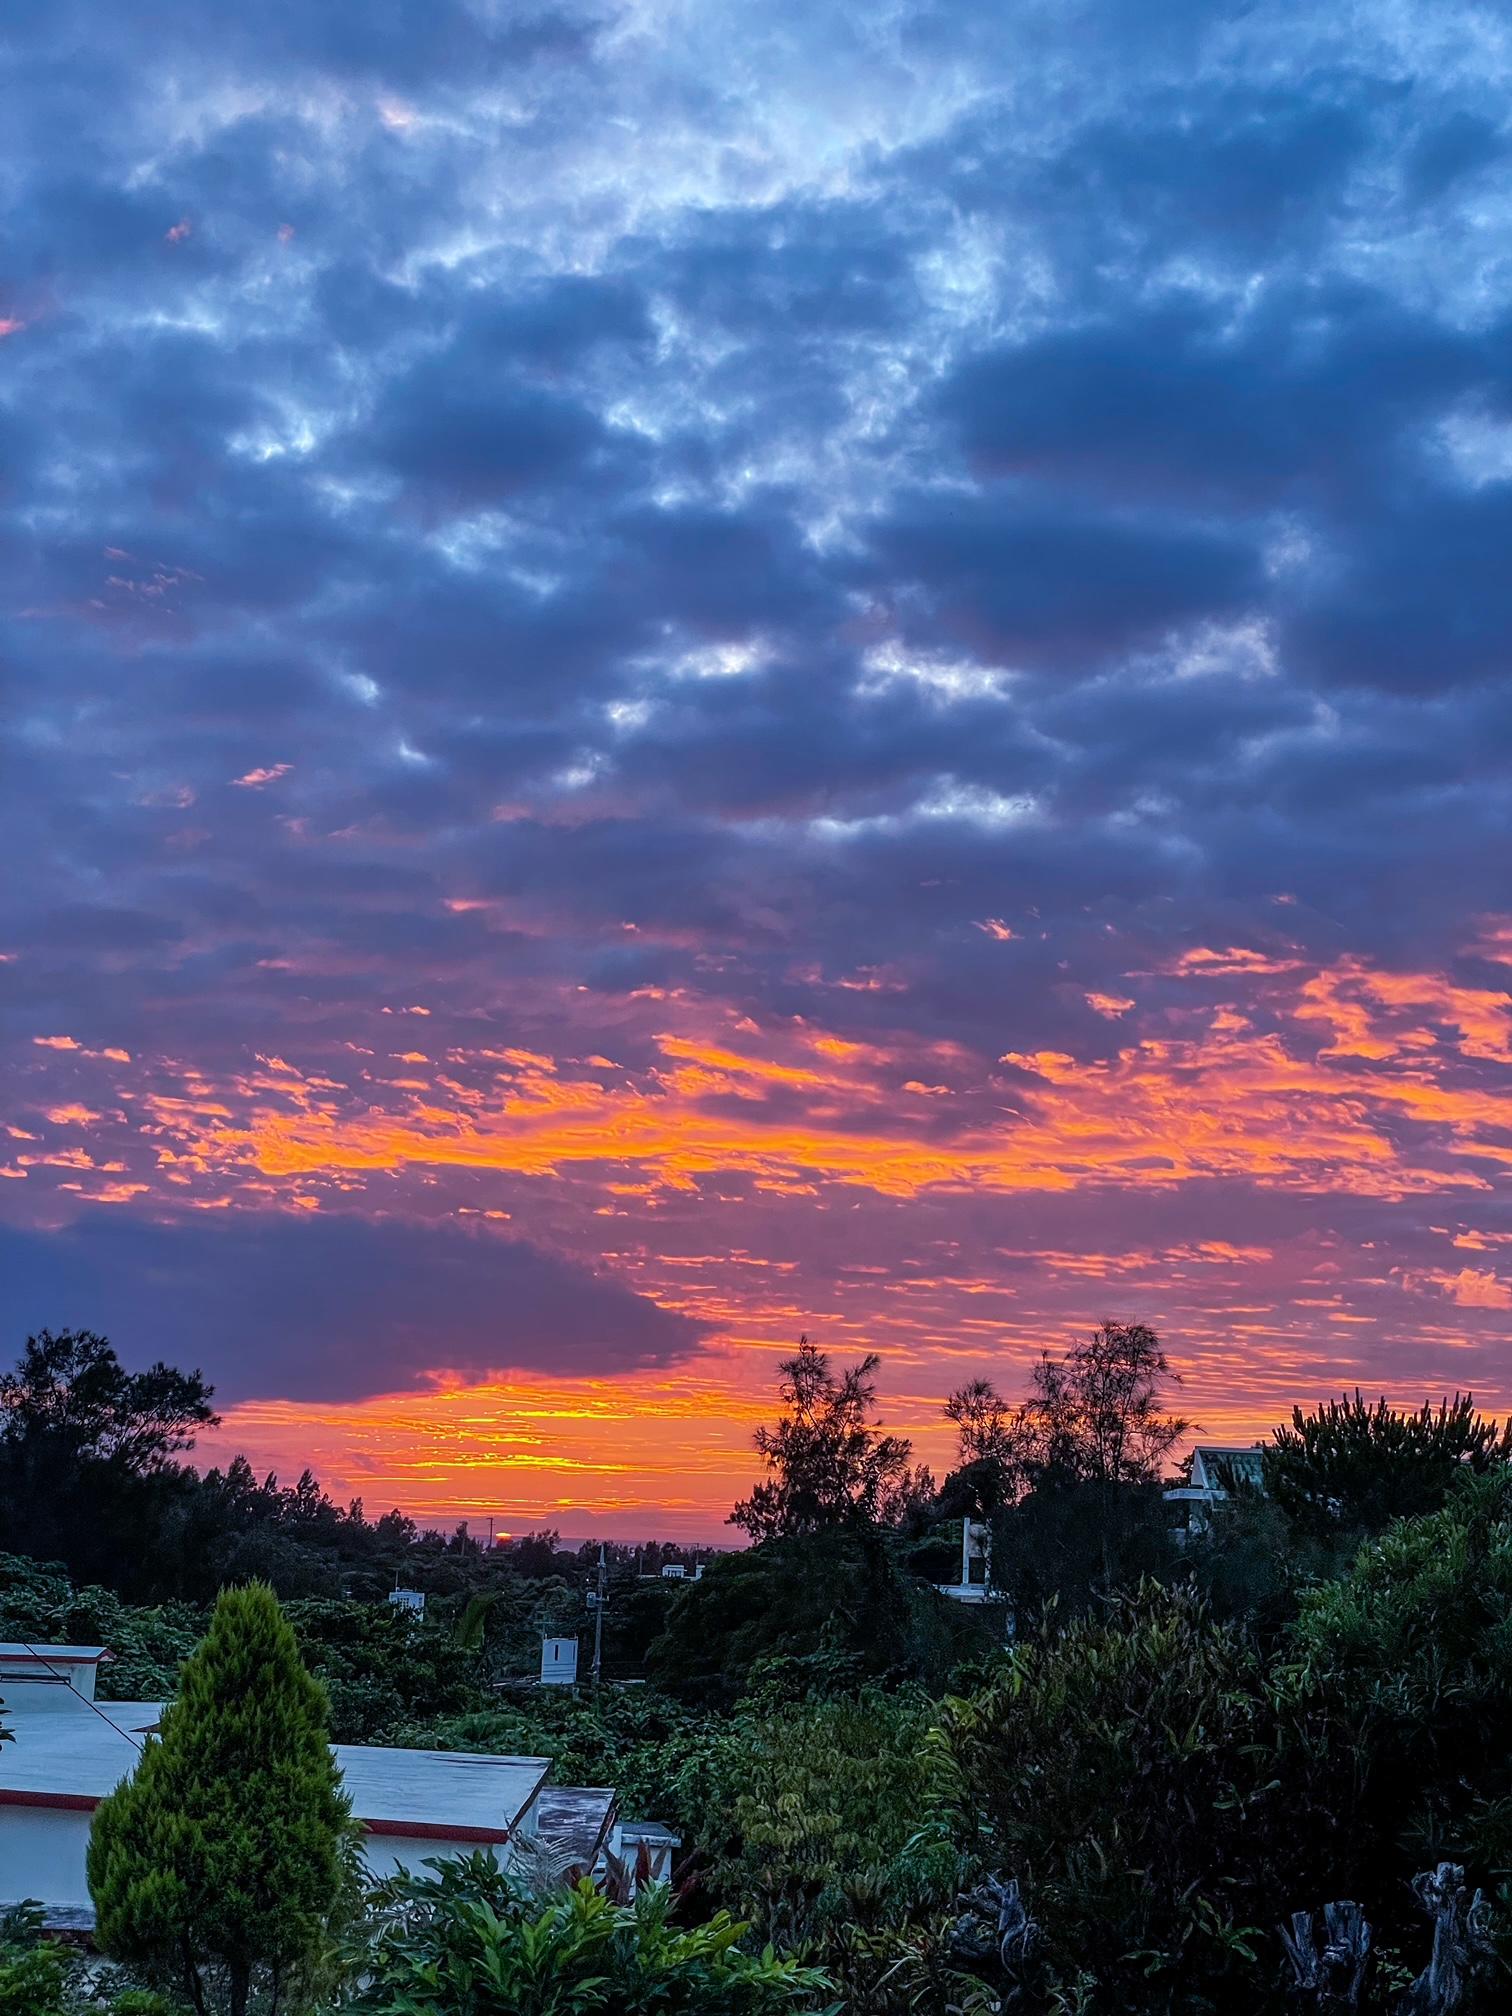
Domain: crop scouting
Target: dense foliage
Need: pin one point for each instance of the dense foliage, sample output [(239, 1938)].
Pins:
[(1125, 1774), (1399, 1690), (34, 1972), (813, 1815), (837, 1604)]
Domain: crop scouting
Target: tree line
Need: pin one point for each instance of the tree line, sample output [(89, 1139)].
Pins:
[(1127, 1786)]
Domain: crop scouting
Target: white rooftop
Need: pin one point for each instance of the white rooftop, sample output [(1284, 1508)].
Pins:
[(70, 1752), (453, 1793), (16, 1652), (69, 1756)]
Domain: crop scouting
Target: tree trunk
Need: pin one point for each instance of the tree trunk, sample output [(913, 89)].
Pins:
[(192, 1982), (1460, 1937)]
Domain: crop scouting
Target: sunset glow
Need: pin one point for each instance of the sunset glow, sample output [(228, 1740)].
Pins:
[(649, 709)]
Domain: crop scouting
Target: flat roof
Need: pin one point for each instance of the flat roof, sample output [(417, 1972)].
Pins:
[(72, 1759), (16, 1652), (456, 1795)]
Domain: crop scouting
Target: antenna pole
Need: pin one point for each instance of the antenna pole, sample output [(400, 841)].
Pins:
[(598, 1622)]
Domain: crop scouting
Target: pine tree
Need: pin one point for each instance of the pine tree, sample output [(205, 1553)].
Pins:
[(219, 1866)]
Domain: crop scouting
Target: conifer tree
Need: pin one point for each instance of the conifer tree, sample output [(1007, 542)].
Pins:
[(219, 1866)]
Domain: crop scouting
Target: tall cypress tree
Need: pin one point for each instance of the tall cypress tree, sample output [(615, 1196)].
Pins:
[(220, 1865)]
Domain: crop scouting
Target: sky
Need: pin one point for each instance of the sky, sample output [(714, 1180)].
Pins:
[(675, 673)]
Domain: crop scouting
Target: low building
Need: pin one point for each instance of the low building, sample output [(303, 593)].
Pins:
[(645, 1843), (69, 1750), (75, 1666), (1218, 1471)]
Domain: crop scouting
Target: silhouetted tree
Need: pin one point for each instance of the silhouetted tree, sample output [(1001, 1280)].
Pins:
[(1352, 1466), (87, 1449), (985, 1423), (1097, 1415), (1070, 1477), (71, 1395), (994, 1444), (829, 1463)]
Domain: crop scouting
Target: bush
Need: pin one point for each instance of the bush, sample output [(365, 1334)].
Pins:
[(34, 1972), (467, 1942), (808, 1816), (1399, 1689), (1123, 1774)]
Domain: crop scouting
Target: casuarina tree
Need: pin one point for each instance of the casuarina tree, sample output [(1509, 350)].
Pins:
[(828, 1463), (220, 1866), (1353, 1467)]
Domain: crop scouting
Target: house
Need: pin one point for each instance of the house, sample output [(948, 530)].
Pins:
[(69, 1750), (1217, 1471)]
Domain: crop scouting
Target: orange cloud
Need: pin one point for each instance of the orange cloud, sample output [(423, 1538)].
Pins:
[(1361, 1087), (1471, 1288)]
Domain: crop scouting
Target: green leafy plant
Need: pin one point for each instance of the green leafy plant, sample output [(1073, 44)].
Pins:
[(465, 1941), (1397, 1693), (815, 1814), (1124, 1773), (35, 1972)]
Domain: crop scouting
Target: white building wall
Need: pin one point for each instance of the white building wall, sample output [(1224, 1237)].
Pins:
[(42, 1850), (387, 1854)]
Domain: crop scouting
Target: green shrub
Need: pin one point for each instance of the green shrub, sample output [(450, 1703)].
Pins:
[(219, 1866), (35, 1972), (465, 1942), (1398, 1694), (805, 1816)]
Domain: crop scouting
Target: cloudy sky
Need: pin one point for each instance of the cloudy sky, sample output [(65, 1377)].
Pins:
[(676, 672)]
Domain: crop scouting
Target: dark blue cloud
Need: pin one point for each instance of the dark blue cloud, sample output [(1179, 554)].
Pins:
[(1025, 581), (328, 1308)]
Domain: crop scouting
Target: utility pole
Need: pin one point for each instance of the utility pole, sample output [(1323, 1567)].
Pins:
[(598, 1620)]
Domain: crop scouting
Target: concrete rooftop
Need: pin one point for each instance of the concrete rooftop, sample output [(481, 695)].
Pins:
[(69, 1752)]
